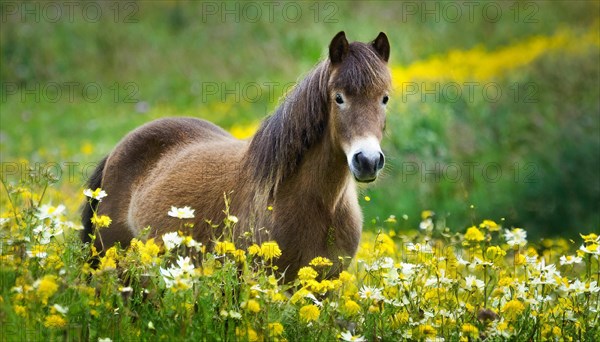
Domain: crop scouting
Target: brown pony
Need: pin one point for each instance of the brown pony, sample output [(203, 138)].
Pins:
[(301, 163)]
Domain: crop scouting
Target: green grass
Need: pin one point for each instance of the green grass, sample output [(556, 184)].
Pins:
[(487, 283), (170, 53)]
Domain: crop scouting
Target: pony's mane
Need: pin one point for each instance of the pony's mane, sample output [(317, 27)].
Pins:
[(277, 148)]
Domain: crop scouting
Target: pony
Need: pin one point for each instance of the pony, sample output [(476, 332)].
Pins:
[(293, 182)]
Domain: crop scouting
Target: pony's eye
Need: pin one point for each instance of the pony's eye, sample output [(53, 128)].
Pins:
[(385, 99), (339, 99)]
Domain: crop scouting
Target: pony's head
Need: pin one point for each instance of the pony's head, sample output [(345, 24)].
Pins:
[(359, 88)]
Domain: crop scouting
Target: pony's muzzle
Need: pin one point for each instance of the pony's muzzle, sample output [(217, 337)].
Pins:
[(366, 165)]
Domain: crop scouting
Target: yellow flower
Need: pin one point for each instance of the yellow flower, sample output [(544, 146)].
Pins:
[(55, 322), (101, 221), (470, 330), (239, 255), (425, 330), (46, 288), (270, 250), (254, 249), (248, 333), (351, 307), (275, 329), (399, 319), (87, 148), (320, 262), (224, 247), (277, 297), (490, 225), (108, 261), (384, 245), (590, 237), (20, 310), (474, 234), (253, 306), (495, 253), (347, 277), (307, 273), (425, 214), (300, 294), (519, 259), (309, 313), (512, 309), (149, 252)]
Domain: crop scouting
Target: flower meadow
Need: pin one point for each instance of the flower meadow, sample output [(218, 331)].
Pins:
[(487, 282)]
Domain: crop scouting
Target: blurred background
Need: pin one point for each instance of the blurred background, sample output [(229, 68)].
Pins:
[(495, 112)]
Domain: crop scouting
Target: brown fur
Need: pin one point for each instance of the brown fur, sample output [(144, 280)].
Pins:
[(295, 163)]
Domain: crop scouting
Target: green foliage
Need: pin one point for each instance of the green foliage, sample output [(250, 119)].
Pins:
[(154, 59), (487, 283)]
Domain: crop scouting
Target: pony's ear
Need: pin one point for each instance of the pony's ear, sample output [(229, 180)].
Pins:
[(381, 44), (338, 48)]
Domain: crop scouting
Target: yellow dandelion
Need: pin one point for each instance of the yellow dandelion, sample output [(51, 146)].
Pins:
[(474, 234), (307, 273), (425, 214), (101, 221), (108, 261), (270, 250), (425, 330), (347, 277), (494, 253), (351, 307), (470, 330), (240, 256), (148, 252), (224, 247), (254, 249), (248, 333), (275, 329), (87, 148), (399, 319), (590, 237), (253, 306), (512, 309), (46, 287), (20, 310), (489, 225), (55, 322), (309, 313), (321, 262)]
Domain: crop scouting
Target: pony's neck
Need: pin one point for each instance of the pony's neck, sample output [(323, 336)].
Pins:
[(322, 178)]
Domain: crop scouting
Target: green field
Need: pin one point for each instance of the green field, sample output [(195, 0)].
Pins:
[(495, 115), (519, 143)]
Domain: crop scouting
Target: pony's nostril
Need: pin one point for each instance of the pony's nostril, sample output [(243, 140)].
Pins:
[(381, 161), (356, 159)]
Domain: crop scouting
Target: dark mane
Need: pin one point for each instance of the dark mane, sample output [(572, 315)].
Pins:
[(282, 139), (277, 148)]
